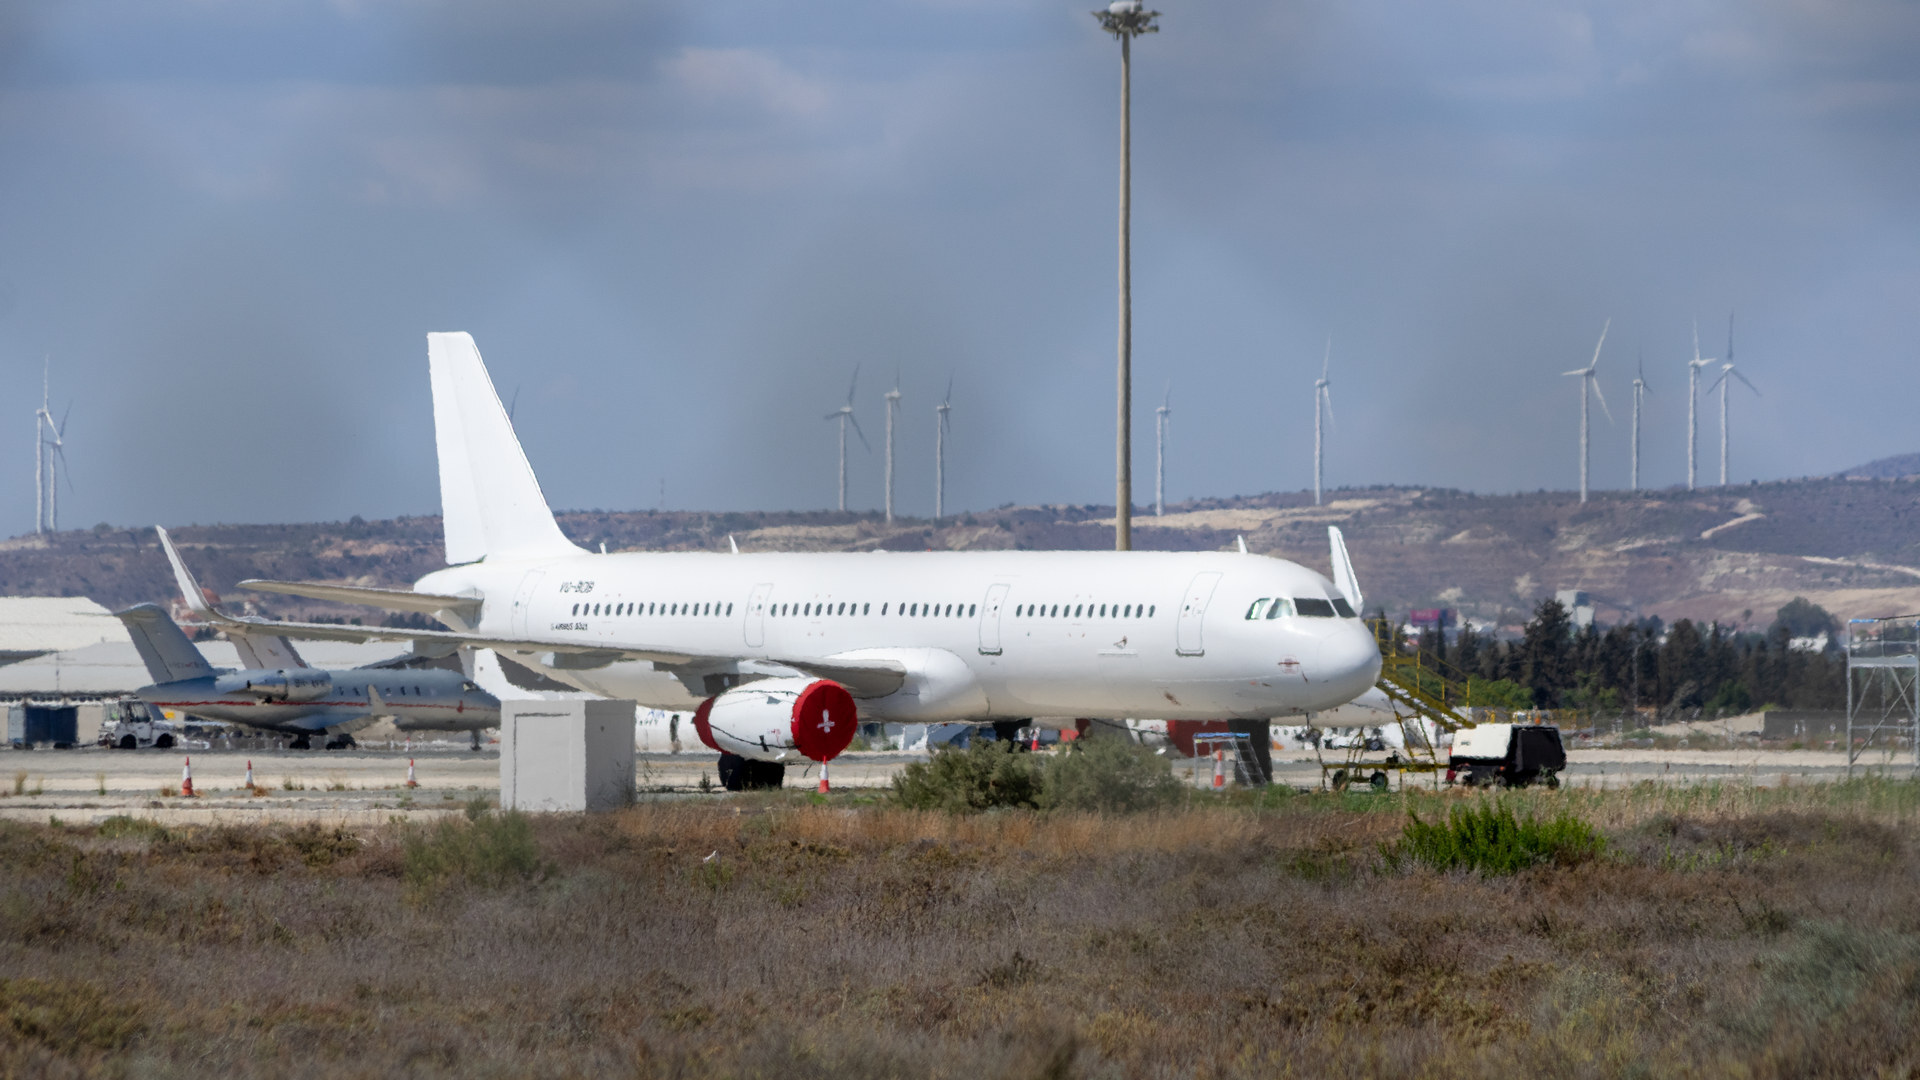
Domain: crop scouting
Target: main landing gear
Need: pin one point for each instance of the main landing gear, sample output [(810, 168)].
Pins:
[(744, 774)]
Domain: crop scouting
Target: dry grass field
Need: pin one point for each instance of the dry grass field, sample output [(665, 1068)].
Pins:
[(1726, 930)]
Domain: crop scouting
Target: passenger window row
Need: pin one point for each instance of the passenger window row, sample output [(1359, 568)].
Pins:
[(1072, 611), (910, 610), (1311, 606), (637, 608)]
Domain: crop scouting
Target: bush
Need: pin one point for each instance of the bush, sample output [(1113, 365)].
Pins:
[(1491, 839), (488, 850), (988, 774), (1113, 775)]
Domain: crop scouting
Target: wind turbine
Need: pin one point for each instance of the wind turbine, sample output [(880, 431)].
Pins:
[(40, 455), (893, 406), (844, 414), (49, 457), (1587, 379), (1693, 403), (1639, 391), (1720, 384), (1160, 452), (940, 451), (1322, 396), (57, 467)]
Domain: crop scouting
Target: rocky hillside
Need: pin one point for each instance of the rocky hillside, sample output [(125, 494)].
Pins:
[(1851, 545)]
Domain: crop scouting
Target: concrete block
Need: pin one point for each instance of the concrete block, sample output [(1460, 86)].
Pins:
[(566, 755)]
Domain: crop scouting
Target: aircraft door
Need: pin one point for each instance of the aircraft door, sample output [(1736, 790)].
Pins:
[(1193, 611), (523, 601), (756, 624), (990, 620)]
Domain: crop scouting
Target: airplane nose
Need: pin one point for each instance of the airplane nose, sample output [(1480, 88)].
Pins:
[(1350, 660)]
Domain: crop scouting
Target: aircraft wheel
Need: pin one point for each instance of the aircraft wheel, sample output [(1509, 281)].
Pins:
[(301, 743), (733, 772), (765, 775)]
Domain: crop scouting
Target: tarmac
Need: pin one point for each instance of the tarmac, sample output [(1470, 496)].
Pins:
[(368, 785)]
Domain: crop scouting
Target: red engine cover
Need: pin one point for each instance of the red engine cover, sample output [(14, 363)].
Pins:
[(701, 727), (824, 720)]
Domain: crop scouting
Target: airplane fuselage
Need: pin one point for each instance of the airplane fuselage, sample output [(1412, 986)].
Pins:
[(983, 635), (332, 700)]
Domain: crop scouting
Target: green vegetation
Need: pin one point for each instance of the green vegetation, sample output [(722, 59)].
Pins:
[(1597, 671), (1491, 839), (1107, 775), (482, 849), (987, 775)]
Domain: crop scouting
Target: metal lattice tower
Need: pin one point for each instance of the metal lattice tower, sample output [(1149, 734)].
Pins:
[(1883, 686)]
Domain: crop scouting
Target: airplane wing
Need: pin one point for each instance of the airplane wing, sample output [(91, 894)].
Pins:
[(391, 599), (863, 677)]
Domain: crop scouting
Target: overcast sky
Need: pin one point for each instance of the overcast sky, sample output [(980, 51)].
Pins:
[(675, 229)]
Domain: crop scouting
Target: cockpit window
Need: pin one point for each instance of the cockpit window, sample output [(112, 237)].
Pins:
[(1280, 607), (1345, 609), (1259, 608), (1313, 607)]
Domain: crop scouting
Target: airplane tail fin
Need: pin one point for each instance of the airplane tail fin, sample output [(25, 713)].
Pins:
[(256, 650), (1343, 576), (490, 502), (164, 647)]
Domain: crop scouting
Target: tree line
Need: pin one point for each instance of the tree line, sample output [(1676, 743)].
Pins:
[(1682, 670)]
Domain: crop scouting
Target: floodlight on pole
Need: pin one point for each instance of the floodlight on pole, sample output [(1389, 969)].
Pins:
[(1125, 20)]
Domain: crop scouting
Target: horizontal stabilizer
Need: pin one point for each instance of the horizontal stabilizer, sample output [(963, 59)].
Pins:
[(467, 607)]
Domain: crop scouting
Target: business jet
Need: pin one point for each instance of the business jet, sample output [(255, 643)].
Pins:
[(276, 690), (780, 655)]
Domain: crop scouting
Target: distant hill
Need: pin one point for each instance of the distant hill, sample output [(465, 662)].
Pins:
[(1732, 554), (1887, 468)]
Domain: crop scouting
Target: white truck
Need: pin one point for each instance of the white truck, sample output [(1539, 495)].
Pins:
[(132, 724), (1509, 755)]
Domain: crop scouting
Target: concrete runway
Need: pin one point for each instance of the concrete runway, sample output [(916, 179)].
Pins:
[(368, 785)]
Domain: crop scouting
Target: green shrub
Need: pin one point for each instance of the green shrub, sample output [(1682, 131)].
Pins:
[(488, 850), (1114, 775), (1492, 839), (988, 774)]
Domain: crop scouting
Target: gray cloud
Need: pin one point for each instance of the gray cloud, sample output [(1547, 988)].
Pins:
[(677, 228)]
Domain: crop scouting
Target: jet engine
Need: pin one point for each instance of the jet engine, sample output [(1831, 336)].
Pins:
[(297, 684), (778, 720)]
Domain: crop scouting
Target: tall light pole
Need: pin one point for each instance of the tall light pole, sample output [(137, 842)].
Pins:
[(1126, 20)]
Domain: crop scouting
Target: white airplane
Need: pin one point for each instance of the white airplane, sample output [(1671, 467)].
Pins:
[(782, 654)]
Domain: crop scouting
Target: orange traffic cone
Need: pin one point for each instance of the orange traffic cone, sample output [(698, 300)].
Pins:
[(411, 782), (823, 778), (1219, 767), (1036, 739), (186, 779)]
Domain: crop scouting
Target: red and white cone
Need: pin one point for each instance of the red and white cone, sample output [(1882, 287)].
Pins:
[(411, 782), (249, 774), (1219, 767), (186, 779), (823, 778), (1036, 739)]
